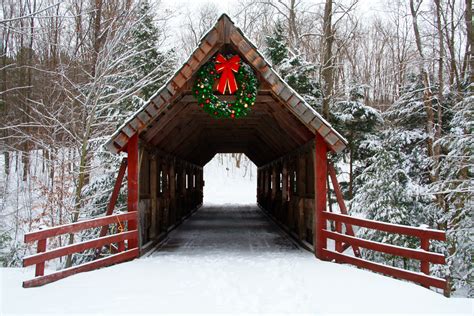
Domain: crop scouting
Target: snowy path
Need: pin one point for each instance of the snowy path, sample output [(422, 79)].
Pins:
[(225, 259)]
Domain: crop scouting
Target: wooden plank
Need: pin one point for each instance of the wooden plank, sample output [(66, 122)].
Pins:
[(342, 205), (132, 182), (107, 261), (78, 226), (387, 270), (114, 197), (78, 247), (320, 195), (387, 227), (390, 249)]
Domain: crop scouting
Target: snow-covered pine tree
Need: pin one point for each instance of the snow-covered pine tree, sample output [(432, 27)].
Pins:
[(277, 49), (457, 184), (293, 67), (393, 187), (358, 124)]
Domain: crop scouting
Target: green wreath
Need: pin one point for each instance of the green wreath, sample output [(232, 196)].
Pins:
[(245, 95)]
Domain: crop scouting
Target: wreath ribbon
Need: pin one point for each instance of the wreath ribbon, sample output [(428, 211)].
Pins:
[(227, 67)]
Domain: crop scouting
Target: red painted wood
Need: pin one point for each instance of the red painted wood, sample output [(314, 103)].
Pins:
[(113, 198), (425, 264), (391, 228), (338, 243), (320, 190), (390, 249), (342, 205), (115, 193), (132, 180), (40, 249), (392, 271), (63, 251), (107, 261), (78, 226)]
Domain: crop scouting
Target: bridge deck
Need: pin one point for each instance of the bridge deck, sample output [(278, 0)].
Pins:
[(229, 230)]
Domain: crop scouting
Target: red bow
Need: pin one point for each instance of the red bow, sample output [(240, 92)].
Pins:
[(227, 68)]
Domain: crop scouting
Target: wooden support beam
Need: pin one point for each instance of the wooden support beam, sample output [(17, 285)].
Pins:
[(153, 196), (320, 176), (133, 192), (172, 187)]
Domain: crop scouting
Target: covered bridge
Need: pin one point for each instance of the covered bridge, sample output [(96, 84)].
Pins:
[(171, 138)]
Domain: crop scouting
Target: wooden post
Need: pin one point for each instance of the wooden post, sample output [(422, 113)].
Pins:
[(166, 192), (172, 184), (301, 190), (132, 199), (39, 269), (274, 183), (284, 193), (338, 243), (320, 175), (425, 265), (153, 193)]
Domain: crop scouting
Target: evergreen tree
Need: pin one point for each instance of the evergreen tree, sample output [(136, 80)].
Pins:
[(393, 187), (358, 124), (456, 183), (277, 49), (293, 67)]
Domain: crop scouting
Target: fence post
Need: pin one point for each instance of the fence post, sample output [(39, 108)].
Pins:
[(425, 265), (39, 271), (339, 230)]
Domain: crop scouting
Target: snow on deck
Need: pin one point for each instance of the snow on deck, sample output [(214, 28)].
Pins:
[(228, 259)]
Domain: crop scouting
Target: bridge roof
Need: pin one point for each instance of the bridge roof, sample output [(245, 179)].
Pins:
[(279, 122)]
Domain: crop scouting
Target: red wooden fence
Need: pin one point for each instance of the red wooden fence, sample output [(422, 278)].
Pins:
[(121, 252), (44, 255), (343, 241)]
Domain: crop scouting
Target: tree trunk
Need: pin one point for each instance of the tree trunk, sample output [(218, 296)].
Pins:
[(427, 93), (327, 71), (470, 42)]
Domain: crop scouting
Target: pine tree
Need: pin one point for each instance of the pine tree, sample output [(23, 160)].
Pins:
[(358, 124), (277, 49), (293, 67), (456, 174), (393, 187)]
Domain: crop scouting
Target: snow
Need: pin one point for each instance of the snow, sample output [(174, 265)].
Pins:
[(225, 259), (224, 183)]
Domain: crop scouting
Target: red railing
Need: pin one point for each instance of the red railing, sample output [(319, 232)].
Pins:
[(344, 241), (423, 255), (43, 255)]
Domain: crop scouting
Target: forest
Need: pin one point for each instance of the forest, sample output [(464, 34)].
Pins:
[(395, 79)]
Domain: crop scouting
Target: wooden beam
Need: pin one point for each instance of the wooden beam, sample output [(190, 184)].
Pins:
[(320, 194), (153, 195), (133, 192)]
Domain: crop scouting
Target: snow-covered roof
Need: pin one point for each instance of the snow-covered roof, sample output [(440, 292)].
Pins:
[(224, 32)]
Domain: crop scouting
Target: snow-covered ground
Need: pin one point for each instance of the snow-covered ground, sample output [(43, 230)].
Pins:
[(225, 259), (225, 183)]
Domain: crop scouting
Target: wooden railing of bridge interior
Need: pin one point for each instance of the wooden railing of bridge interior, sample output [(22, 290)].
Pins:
[(348, 239), (44, 255)]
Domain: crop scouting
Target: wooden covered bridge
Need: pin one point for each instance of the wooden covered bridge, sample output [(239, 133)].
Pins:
[(171, 138)]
